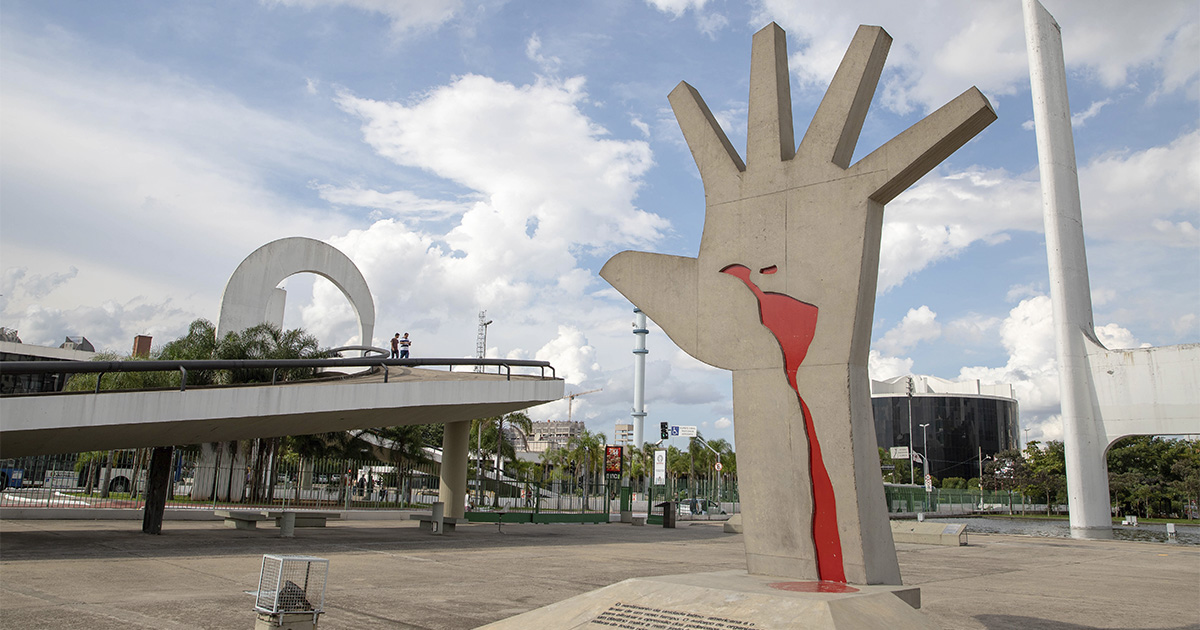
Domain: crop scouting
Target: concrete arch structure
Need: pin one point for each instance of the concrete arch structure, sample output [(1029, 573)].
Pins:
[(251, 296)]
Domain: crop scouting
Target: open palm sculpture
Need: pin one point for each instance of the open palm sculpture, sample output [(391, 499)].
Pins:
[(783, 294)]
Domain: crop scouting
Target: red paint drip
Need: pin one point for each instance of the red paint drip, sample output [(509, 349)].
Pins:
[(813, 587), (794, 323)]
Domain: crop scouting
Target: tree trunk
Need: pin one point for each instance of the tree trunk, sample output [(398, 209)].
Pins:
[(156, 490)]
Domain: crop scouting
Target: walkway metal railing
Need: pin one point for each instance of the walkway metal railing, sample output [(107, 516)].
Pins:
[(102, 367)]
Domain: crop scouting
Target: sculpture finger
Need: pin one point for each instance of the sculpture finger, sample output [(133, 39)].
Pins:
[(833, 133), (769, 135), (918, 149), (719, 163)]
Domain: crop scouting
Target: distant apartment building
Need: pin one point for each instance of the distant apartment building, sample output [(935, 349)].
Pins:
[(623, 434), (553, 434)]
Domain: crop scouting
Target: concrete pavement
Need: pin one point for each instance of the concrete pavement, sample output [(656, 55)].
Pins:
[(388, 574)]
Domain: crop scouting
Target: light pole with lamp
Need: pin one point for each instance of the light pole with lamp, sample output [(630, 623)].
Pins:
[(925, 448), (911, 466), (981, 460), (925, 461)]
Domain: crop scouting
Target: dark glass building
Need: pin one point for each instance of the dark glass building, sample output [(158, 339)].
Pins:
[(966, 421)]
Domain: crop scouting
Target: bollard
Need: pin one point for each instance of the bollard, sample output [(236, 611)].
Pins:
[(920, 517), (439, 514), (287, 525), (1171, 531)]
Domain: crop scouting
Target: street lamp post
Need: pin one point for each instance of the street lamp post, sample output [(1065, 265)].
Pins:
[(925, 460), (911, 466), (925, 448), (499, 437)]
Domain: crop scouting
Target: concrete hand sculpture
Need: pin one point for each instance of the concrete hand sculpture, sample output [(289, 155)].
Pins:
[(783, 294)]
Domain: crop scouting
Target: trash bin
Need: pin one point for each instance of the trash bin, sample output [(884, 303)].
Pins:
[(668, 508)]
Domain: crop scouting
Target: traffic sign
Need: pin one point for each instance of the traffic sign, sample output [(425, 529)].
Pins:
[(660, 467), (928, 483), (898, 452), (718, 466), (687, 431)]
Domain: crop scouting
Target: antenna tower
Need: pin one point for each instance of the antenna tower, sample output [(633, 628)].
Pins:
[(481, 338)]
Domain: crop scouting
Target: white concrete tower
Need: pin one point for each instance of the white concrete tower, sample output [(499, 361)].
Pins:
[(1084, 436), (639, 377)]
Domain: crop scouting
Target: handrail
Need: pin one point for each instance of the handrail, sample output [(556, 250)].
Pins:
[(102, 367)]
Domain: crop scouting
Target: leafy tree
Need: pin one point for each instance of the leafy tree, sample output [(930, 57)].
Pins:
[(1151, 475), (899, 471)]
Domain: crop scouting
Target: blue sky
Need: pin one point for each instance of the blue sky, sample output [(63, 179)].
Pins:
[(474, 155)]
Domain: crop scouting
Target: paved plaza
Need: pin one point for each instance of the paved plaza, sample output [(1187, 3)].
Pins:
[(103, 575)]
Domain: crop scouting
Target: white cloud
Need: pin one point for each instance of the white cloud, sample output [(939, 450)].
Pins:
[(533, 50), (972, 329), (571, 355), (882, 367), (406, 15), (983, 44), (723, 423), (552, 178), (1185, 324), (1114, 337), (1151, 195), (944, 214), (398, 203), (1027, 334), (677, 7), (1079, 119), (919, 324)]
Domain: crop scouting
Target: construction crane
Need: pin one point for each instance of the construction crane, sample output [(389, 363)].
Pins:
[(571, 399)]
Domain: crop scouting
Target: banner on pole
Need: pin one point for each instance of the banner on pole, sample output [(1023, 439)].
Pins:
[(660, 468)]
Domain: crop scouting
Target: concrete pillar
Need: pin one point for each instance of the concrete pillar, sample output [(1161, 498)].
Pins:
[(157, 485), (453, 490), (1084, 437)]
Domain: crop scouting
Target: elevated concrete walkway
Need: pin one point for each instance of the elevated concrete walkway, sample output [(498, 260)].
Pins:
[(84, 421)]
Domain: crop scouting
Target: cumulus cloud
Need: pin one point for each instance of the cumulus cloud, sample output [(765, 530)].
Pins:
[(563, 183), (882, 367), (919, 324), (723, 423), (406, 15), (571, 355), (1147, 196), (1115, 337)]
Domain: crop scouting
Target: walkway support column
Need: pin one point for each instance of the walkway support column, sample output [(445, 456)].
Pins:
[(157, 485), (453, 490)]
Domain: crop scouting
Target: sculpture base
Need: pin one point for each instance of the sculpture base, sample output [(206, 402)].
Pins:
[(728, 600)]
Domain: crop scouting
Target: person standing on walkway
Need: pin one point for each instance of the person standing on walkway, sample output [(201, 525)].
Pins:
[(404, 344), (395, 347)]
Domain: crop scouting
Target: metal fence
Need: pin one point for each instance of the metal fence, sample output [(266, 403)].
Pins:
[(911, 499), (208, 478)]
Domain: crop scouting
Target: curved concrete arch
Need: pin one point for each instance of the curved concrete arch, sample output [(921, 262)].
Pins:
[(249, 293)]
